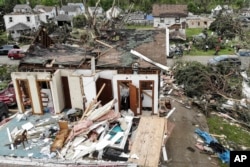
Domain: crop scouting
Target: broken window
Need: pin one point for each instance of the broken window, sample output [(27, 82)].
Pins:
[(10, 19)]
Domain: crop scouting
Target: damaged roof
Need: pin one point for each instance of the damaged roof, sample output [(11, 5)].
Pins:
[(109, 53), (150, 43)]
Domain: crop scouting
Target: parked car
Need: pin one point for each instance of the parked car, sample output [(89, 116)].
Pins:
[(4, 111), (8, 96), (4, 49), (243, 52), (229, 60), (16, 54)]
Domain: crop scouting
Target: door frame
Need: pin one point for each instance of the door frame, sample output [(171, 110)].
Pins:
[(119, 82), (141, 92)]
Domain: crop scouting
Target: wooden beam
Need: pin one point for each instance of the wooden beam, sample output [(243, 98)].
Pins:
[(147, 144)]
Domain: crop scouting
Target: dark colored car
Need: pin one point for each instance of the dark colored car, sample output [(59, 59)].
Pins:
[(4, 111), (230, 60), (4, 49), (16, 54)]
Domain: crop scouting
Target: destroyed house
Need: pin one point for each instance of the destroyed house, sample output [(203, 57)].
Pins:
[(64, 70), (118, 81)]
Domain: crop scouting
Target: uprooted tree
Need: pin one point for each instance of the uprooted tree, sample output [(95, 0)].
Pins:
[(211, 87), (199, 79)]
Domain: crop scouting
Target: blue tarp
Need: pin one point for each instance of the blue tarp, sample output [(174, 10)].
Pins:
[(225, 155), (206, 136)]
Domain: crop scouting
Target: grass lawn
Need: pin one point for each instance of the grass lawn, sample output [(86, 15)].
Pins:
[(196, 52), (234, 134)]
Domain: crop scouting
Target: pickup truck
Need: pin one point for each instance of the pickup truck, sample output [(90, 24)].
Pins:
[(8, 96)]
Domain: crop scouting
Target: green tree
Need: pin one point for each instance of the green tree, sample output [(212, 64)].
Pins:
[(227, 27), (79, 21)]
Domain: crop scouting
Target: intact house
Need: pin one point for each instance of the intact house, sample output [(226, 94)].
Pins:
[(46, 13), (71, 76), (22, 19), (166, 15)]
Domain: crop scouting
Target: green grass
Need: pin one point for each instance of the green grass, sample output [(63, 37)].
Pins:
[(198, 52), (233, 133)]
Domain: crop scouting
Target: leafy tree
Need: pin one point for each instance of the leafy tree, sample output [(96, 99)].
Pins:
[(227, 27), (79, 21)]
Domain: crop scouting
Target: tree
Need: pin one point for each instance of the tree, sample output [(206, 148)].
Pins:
[(227, 27), (79, 21)]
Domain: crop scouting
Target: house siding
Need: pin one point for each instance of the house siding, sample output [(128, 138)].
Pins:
[(166, 22), (33, 23)]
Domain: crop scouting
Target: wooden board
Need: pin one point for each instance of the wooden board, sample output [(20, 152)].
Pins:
[(148, 141)]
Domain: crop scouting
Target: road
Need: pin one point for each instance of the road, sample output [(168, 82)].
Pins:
[(5, 60)]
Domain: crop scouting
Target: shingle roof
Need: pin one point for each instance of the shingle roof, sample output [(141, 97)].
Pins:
[(22, 6), (71, 8), (19, 26), (45, 8), (169, 10), (63, 17)]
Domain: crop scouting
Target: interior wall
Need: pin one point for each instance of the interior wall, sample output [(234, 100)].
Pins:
[(76, 94), (89, 84), (57, 92), (31, 78), (135, 78)]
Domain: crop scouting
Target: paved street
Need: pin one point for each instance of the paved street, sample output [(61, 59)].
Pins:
[(5, 60)]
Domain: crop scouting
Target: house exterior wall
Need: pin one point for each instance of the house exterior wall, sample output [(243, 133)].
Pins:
[(166, 22), (74, 78), (51, 15), (31, 78), (22, 18), (199, 22)]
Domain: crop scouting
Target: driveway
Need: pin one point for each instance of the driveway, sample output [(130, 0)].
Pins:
[(180, 145)]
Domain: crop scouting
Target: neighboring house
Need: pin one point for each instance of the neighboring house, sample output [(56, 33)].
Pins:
[(46, 13), (195, 21), (21, 14), (62, 19), (71, 10), (82, 7), (136, 17), (113, 12), (166, 15), (97, 11), (225, 9)]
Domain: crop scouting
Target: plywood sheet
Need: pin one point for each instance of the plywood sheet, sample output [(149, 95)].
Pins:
[(148, 141)]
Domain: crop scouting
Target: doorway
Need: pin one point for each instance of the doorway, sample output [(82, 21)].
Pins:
[(24, 94), (45, 95), (147, 96), (127, 96), (66, 92)]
